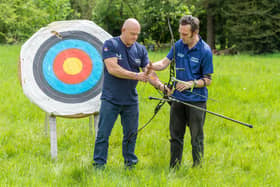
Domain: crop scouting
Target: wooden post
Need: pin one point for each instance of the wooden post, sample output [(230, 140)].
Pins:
[(90, 125), (52, 120), (46, 123), (96, 121)]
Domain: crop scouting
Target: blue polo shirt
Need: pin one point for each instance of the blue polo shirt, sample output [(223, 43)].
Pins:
[(196, 62), (117, 90)]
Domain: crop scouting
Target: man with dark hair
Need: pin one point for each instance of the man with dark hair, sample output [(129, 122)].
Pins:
[(123, 57), (194, 56)]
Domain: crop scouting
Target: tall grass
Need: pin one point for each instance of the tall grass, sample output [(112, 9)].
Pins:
[(246, 87)]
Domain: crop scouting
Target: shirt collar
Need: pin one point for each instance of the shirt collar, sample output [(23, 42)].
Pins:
[(197, 45), (124, 44)]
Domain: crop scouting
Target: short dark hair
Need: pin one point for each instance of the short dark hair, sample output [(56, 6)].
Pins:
[(190, 20)]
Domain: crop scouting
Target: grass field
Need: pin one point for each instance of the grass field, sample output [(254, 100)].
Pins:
[(246, 87)]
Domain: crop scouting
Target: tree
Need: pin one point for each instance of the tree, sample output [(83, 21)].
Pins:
[(20, 19), (83, 8), (110, 14), (154, 18), (254, 25), (210, 24), (209, 13), (251, 25)]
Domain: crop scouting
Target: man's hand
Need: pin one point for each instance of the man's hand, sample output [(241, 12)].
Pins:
[(165, 89), (181, 86), (149, 68), (142, 76)]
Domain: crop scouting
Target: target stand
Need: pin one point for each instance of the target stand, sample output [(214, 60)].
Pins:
[(61, 71), (50, 120)]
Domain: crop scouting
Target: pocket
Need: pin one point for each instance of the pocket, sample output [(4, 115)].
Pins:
[(135, 63), (195, 67)]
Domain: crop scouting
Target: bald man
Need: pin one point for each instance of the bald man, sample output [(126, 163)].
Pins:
[(123, 58)]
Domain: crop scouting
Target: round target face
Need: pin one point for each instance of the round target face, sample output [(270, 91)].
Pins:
[(70, 70), (62, 68)]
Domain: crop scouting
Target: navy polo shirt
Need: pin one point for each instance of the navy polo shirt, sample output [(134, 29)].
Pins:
[(117, 90), (196, 62)]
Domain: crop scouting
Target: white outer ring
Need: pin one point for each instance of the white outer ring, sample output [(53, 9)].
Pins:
[(29, 85)]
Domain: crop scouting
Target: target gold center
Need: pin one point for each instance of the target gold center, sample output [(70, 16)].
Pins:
[(72, 66)]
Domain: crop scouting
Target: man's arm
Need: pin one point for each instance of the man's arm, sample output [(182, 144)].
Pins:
[(154, 80), (200, 83), (116, 70), (160, 65), (205, 81)]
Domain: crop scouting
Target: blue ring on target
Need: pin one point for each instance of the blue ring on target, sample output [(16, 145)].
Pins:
[(79, 88)]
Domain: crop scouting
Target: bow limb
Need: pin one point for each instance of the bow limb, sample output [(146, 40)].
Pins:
[(172, 69)]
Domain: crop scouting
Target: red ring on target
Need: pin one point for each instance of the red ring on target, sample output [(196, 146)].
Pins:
[(75, 78)]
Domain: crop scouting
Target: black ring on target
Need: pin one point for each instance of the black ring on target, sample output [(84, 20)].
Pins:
[(48, 89)]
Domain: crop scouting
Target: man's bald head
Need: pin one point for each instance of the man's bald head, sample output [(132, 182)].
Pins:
[(130, 23), (130, 31)]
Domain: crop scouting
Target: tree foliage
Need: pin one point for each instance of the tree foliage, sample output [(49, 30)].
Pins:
[(83, 8), (250, 25), (110, 14), (152, 15), (19, 19), (154, 19), (254, 25), (211, 21)]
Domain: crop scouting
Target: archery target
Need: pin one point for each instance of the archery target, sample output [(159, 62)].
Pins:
[(62, 68)]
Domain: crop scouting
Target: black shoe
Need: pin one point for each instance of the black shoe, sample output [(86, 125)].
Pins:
[(98, 166), (175, 167), (196, 165), (130, 166)]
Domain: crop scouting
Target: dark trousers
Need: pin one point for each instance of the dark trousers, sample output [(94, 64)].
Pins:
[(180, 117), (129, 120)]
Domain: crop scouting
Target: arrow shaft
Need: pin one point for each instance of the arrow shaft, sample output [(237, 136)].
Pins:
[(204, 110)]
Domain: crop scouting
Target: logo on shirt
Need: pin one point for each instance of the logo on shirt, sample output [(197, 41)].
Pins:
[(180, 55), (138, 61), (119, 56), (196, 60), (105, 49)]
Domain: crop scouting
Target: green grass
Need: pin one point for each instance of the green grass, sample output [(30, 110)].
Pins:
[(246, 87)]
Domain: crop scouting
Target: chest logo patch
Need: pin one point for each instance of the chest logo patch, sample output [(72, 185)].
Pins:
[(180, 55), (196, 60), (119, 56), (138, 61)]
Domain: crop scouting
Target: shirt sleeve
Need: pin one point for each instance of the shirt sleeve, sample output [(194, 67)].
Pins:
[(207, 63), (108, 50), (170, 54)]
